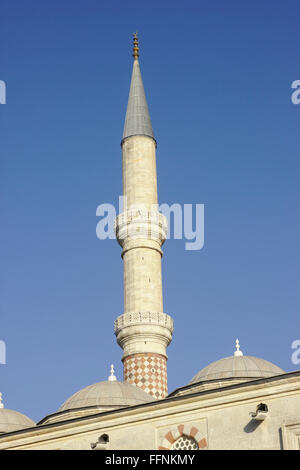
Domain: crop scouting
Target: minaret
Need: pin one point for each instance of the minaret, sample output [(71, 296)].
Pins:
[(143, 331)]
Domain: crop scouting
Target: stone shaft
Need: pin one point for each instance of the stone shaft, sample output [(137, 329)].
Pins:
[(143, 331)]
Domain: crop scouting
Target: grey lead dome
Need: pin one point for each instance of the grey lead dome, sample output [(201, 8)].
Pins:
[(112, 394), (11, 420), (247, 367)]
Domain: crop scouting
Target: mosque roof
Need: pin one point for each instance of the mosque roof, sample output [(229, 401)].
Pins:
[(237, 366), (11, 420), (109, 393)]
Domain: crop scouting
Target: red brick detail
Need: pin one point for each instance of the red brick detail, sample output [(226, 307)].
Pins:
[(202, 443), (193, 432), (183, 430), (169, 437), (180, 428), (147, 371)]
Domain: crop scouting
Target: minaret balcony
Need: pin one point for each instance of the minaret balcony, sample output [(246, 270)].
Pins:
[(138, 318), (139, 224), (144, 333)]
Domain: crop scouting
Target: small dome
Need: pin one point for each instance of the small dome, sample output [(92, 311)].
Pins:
[(237, 366), (11, 420), (110, 394)]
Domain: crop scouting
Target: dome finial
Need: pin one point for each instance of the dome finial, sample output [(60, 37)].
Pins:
[(135, 46), (1, 404), (237, 346), (112, 376)]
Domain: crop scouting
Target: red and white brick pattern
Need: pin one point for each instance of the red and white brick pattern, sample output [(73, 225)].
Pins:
[(183, 430), (147, 371)]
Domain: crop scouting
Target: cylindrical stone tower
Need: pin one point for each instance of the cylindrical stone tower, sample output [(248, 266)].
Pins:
[(143, 331)]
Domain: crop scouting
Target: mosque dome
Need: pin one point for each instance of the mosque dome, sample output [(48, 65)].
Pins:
[(237, 366), (11, 420), (98, 398), (108, 394), (248, 367)]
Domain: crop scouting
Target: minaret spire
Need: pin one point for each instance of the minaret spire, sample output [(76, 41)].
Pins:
[(143, 331), (137, 120)]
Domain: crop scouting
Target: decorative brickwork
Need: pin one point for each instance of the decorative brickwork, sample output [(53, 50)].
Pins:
[(147, 371), (183, 430)]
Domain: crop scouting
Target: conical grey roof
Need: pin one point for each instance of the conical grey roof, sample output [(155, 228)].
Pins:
[(137, 120)]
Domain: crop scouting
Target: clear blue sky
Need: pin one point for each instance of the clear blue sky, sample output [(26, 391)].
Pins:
[(217, 77)]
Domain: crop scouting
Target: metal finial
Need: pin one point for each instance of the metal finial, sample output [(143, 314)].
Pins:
[(135, 46), (1, 404), (112, 376), (237, 346)]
